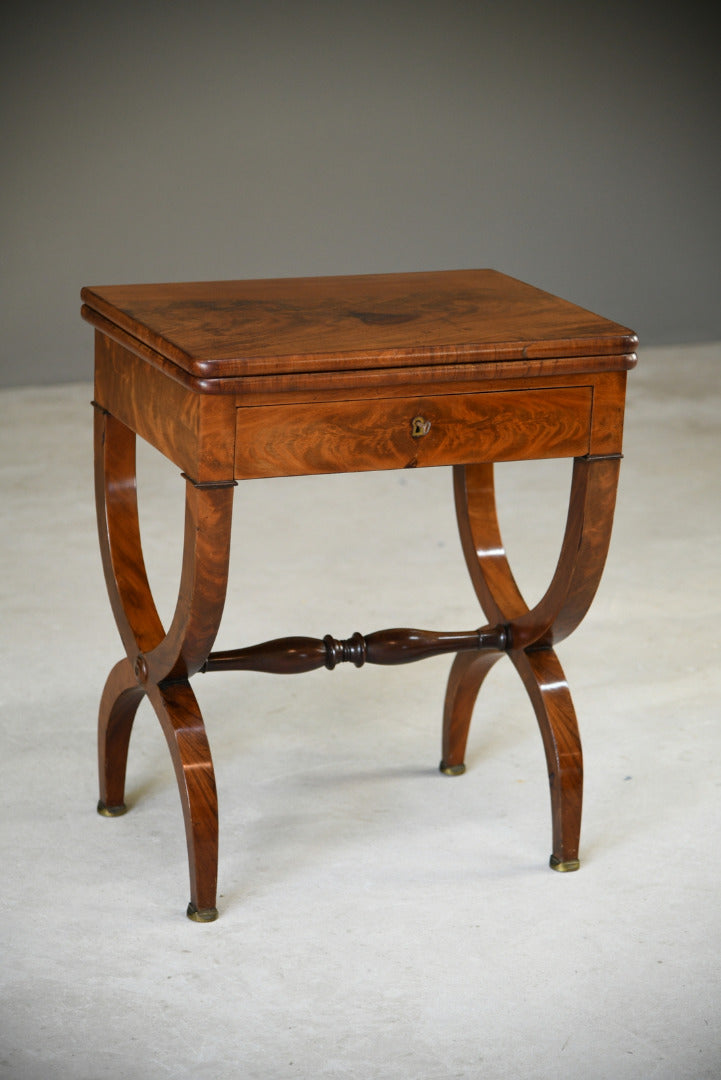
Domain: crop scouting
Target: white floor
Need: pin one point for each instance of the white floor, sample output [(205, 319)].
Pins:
[(378, 920)]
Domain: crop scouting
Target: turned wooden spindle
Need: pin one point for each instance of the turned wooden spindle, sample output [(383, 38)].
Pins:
[(293, 655)]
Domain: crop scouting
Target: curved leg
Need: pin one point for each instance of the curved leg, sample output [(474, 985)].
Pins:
[(582, 558), (532, 632), (160, 664), (548, 690), (177, 709), (116, 503), (464, 682), (483, 549), (118, 706), (204, 577)]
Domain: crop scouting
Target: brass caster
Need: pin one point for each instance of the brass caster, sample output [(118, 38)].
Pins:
[(452, 770), (563, 867), (209, 914), (111, 811)]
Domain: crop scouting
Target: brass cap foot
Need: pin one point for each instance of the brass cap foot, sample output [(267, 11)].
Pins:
[(209, 914), (111, 811), (452, 770), (563, 867)]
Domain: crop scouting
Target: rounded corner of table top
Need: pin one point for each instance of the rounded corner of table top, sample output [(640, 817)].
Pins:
[(213, 336)]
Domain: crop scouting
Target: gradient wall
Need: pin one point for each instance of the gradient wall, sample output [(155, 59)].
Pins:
[(573, 145)]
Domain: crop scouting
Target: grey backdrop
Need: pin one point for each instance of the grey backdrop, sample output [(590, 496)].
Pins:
[(574, 145)]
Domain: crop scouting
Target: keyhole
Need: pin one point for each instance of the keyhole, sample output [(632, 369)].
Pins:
[(420, 426)]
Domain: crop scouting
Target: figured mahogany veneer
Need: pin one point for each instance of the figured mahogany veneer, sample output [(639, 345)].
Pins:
[(292, 440), (234, 380)]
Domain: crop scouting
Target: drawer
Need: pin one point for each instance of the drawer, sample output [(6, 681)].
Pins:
[(402, 433)]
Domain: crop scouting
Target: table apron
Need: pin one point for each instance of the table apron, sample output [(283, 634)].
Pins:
[(392, 433)]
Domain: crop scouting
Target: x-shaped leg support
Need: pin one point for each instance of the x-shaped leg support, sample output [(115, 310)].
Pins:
[(160, 664), (532, 633)]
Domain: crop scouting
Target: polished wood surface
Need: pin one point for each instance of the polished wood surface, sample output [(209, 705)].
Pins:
[(160, 664), (532, 633), (397, 433), (293, 655), (217, 330), (233, 380)]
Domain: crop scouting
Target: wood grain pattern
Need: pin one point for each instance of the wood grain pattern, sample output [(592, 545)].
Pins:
[(332, 383), (423, 379), (294, 376), (160, 664), (194, 431), (351, 436), (466, 677), (533, 631), (609, 400), (294, 325)]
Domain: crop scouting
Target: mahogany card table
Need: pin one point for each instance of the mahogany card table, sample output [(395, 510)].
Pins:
[(234, 380)]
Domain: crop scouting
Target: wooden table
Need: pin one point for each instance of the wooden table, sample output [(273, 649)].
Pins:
[(239, 379)]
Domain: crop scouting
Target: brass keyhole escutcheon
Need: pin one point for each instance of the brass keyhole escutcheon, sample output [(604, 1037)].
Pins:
[(420, 427)]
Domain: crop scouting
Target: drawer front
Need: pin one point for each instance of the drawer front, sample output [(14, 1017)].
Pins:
[(402, 433)]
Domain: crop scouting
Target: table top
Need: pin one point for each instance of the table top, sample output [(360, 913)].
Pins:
[(226, 329)]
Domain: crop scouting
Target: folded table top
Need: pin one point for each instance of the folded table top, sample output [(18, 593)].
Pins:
[(285, 326)]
